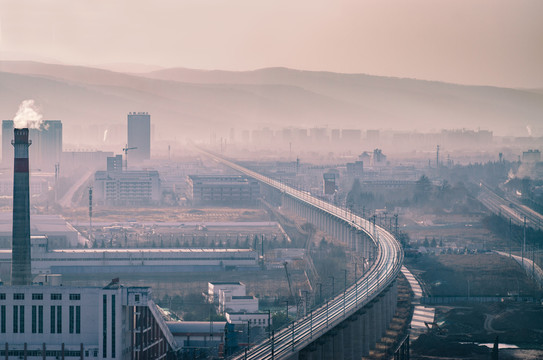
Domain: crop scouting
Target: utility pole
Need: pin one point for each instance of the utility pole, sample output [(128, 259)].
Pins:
[(437, 158), (510, 237), (524, 242), (90, 213), (355, 271), (320, 293), (396, 225)]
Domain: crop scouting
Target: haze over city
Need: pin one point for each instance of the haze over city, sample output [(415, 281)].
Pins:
[(271, 179)]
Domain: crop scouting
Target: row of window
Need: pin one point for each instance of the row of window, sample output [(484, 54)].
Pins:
[(37, 319), (136, 258), (21, 296), (47, 353), (260, 321)]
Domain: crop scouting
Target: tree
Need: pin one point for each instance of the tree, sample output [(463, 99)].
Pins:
[(354, 194), (423, 190)]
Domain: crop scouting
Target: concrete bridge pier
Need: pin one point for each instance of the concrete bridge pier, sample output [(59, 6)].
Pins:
[(372, 320), (357, 338), (337, 341), (312, 352), (328, 347), (348, 343)]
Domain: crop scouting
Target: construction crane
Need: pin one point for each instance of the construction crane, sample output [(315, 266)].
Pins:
[(288, 279), (125, 149)]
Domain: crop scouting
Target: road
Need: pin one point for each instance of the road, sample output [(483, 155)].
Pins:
[(66, 200), (382, 272), (509, 208)]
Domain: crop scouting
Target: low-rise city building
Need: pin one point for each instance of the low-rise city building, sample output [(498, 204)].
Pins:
[(240, 303), (222, 189), (254, 319), (121, 188), (213, 288)]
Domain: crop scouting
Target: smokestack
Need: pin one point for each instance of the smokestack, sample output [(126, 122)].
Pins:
[(20, 254)]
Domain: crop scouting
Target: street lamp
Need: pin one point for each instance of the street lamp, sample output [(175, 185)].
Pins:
[(248, 335), (344, 291), (320, 292), (306, 301), (269, 322)]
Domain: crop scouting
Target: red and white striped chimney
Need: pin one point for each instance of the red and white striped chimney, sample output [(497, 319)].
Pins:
[(21, 273)]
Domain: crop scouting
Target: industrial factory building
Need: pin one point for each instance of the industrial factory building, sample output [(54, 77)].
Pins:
[(92, 261), (222, 189), (59, 232)]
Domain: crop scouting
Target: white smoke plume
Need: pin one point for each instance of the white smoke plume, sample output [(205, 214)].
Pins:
[(28, 116), (105, 136)]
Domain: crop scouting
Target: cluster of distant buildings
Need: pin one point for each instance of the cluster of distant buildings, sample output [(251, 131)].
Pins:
[(342, 139), (125, 181)]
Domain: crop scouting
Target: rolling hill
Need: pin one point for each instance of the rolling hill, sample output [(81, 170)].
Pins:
[(188, 103)]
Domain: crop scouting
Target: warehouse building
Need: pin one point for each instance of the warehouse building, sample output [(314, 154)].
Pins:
[(60, 234), (89, 261)]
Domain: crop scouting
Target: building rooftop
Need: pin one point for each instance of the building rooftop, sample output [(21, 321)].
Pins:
[(90, 251), (242, 297), (39, 224), (246, 313), (195, 327)]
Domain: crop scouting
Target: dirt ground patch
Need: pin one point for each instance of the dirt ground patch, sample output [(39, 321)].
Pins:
[(485, 274), (451, 230), (167, 214), (262, 283), (467, 325)]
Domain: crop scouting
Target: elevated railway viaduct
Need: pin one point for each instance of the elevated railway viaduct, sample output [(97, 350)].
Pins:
[(349, 325)]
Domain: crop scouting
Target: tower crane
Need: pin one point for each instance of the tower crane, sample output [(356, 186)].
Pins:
[(125, 149), (288, 279)]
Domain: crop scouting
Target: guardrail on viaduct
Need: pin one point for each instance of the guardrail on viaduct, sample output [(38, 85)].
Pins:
[(291, 339)]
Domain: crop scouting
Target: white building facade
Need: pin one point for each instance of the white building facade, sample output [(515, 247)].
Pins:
[(213, 288), (121, 188), (254, 319), (233, 303), (66, 322)]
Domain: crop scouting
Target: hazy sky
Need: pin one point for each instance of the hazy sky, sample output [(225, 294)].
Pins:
[(492, 42)]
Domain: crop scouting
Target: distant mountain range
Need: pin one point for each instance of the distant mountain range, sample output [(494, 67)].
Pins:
[(193, 103)]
